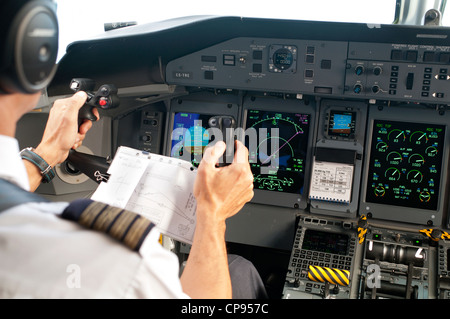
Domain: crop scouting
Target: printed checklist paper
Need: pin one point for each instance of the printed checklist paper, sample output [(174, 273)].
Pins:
[(331, 182), (155, 186)]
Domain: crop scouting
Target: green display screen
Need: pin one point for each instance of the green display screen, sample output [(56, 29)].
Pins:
[(405, 164), (277, 152)]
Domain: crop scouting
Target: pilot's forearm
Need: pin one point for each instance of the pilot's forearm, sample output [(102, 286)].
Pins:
[(61, 133), (220, 192), (206, 274)]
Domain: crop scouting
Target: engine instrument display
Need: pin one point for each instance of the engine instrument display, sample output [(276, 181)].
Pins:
[(277, 146), (405, 164)]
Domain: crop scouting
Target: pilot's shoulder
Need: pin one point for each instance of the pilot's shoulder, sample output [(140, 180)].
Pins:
[(128, 227)]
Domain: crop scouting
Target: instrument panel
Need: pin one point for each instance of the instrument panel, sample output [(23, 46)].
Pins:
[(337, 129), (348, 132)]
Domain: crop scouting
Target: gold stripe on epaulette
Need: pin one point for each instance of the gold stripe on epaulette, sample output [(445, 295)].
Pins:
[(107, 216), (128, 227), (89, 215), (102, 217), (135, 233), (122, 224)]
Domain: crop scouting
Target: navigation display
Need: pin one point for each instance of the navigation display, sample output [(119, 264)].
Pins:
[(405, 164), (277, 143)]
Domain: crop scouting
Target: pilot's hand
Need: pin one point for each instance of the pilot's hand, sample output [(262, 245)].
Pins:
[(222, 191), (62, 132)]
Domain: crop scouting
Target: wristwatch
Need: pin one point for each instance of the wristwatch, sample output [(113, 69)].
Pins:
[(46, 170)]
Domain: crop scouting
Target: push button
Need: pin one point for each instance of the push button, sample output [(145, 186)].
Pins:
[(257, 67), (396, 55), (209, 75), (411, 56), (257, 55), (229, 59)]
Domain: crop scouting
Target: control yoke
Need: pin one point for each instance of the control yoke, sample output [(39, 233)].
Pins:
[(95, 167), (226, 125), (105, 97)]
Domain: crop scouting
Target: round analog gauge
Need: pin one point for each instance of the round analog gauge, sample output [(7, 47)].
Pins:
[(394, 158), (396, 136), (431, 151), (416, 160), (393, 174), (414, 176), (425, 196), (379, 191), (381, 147), (418, 138)]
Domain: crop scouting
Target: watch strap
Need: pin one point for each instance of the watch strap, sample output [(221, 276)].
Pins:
[(46, 170)]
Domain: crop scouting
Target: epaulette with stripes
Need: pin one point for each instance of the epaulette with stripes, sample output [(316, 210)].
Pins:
[(127, 227)]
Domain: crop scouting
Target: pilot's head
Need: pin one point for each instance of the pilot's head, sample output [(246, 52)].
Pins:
[(28, 52), (28, 45)]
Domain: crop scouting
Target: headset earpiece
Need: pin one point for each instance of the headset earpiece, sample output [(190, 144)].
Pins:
[(29, 45)]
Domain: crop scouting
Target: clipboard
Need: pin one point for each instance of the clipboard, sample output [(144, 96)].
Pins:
[(157, 187)]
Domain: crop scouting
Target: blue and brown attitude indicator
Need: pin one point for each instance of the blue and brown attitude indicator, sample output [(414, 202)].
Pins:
[(332, 275)]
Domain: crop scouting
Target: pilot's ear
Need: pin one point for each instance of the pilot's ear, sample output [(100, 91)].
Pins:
[(29, 45)]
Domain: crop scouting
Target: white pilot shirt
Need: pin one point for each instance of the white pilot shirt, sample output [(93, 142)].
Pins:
[(45, 256)]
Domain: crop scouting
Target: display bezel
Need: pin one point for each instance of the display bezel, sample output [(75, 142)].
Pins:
[(396, 157), (198, 135), (412, 215), (331, 121), (201, 107), (284, 171), (267, 104)]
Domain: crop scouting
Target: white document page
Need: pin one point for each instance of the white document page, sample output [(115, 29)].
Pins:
[(125, 172), (331, 182), (163, 192)]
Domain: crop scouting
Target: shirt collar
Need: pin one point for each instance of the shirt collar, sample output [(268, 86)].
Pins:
[(11, 166)]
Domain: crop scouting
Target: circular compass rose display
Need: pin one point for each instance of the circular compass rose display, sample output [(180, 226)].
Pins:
[(277, 158)]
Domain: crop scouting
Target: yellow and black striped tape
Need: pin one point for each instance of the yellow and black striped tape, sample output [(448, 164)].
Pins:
[(362, 228), (435, 234), (332, 275)]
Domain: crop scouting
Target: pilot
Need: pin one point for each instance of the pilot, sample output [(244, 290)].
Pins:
[(86, 249)]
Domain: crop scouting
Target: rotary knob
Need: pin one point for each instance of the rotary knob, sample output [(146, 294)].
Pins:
[(357, 88), (359, 70), (377, 70)]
